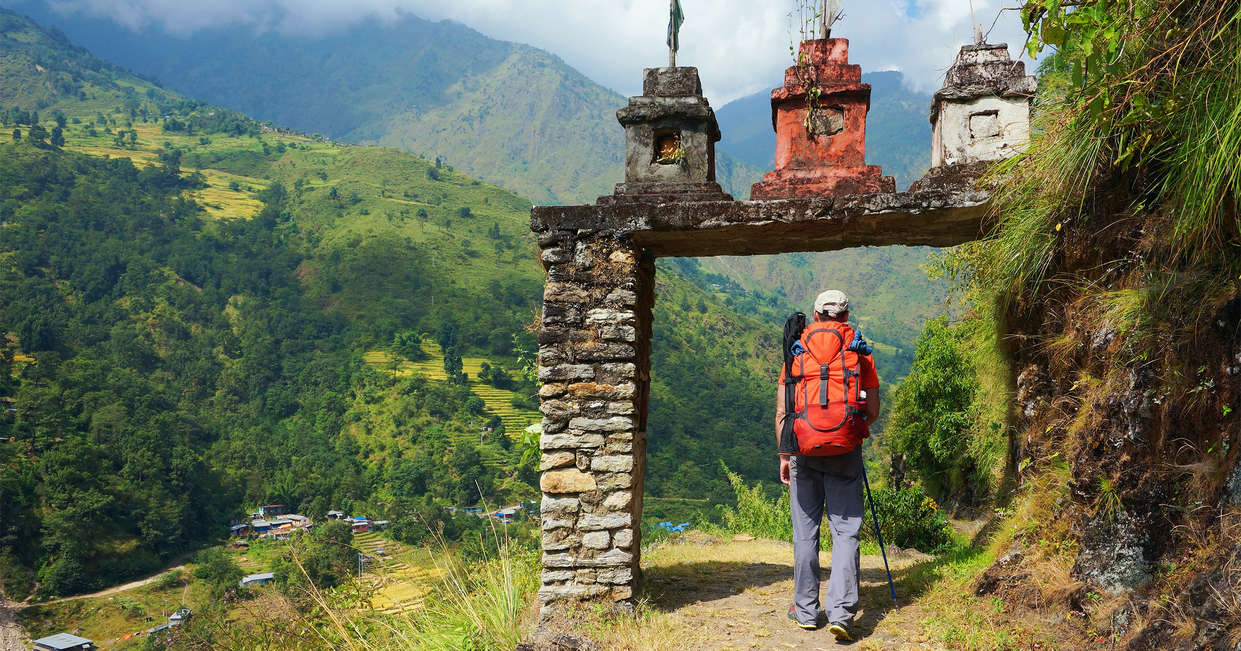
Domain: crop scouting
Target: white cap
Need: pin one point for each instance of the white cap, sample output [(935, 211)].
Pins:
[(832, 302)]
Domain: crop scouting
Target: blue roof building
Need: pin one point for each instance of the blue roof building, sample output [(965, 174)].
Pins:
[(64, 642), (262, 578)]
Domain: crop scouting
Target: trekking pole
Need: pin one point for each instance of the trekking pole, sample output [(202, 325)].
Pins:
[(875, 517)]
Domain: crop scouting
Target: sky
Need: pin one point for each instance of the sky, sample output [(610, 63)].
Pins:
[(739, 46)]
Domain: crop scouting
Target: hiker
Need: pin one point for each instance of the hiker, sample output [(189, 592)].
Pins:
[(828, 393)]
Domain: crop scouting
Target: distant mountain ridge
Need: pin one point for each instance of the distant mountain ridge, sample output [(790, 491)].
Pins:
[(519, 117), (507, 113)]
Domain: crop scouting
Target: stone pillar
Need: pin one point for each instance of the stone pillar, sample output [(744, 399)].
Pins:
[(594, 366)]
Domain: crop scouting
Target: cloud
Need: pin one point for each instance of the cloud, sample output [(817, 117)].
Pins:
[(739, 46)]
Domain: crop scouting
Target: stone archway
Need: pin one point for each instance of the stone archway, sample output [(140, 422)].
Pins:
[(595, 334)]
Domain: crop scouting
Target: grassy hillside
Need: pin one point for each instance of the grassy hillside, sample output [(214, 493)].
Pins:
[(520, 118), (176, 267)]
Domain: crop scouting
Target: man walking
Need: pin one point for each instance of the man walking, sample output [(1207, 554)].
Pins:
[(827, 396)]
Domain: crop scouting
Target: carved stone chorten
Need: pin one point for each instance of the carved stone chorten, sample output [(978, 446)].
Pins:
[(670, 136), (821, 143), (983, 111)]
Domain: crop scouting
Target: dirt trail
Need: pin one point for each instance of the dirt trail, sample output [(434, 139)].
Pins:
[(705, 593), (117, 588), (12, 636), (743, 605)]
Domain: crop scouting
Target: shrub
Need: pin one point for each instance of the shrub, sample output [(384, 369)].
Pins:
[(909, 518), (408, 344), (933, 410), (754, 513), (169, 580), (220, 572), (324, 561)]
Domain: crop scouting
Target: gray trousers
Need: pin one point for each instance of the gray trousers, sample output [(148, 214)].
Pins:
[(834, 482)]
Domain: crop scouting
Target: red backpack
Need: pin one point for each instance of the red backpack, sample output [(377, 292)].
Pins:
[(826, 383)]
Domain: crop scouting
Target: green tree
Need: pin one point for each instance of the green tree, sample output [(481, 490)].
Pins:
[(221, 574), (326, 560), (58, 136), (934, 408), (453, 365), (17, 134), (408, 344)]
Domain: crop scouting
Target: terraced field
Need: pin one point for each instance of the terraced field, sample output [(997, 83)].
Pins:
[(219, 198), (498, 401), (402, 580)]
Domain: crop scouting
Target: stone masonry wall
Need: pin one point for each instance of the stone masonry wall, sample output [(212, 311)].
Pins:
[(594, 367)]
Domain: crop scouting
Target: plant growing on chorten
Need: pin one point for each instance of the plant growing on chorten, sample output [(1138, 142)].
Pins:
[(814, 20)]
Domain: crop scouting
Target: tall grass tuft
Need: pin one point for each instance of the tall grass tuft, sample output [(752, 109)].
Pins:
[(1150, 134), (479, 606), (755, 514)]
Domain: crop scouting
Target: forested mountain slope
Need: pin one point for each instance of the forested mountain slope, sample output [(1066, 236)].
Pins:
[(519, 117), (187, 300)]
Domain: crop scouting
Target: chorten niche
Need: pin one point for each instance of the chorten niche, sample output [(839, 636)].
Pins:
[(820, 120), (670, 136)]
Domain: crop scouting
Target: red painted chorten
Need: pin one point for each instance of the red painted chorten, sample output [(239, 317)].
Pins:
[(825, 155)]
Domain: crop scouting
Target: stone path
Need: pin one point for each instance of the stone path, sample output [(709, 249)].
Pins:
[(11, 634)]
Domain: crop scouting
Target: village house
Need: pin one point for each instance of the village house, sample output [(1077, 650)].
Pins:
[(262, 578), (179, 617), (64, 642)]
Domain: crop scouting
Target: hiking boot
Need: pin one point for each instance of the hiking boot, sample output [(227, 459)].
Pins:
[(841, 631), (809, 626)]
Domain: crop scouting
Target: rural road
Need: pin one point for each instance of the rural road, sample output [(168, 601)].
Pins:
[(115, 589)]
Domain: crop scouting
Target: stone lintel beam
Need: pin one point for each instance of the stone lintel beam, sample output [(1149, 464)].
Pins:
[(938, 217)]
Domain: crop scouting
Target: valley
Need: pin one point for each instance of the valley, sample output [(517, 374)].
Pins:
[(249, 273)]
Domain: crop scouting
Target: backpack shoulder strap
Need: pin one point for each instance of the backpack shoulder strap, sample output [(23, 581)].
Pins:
[(793, 329)]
